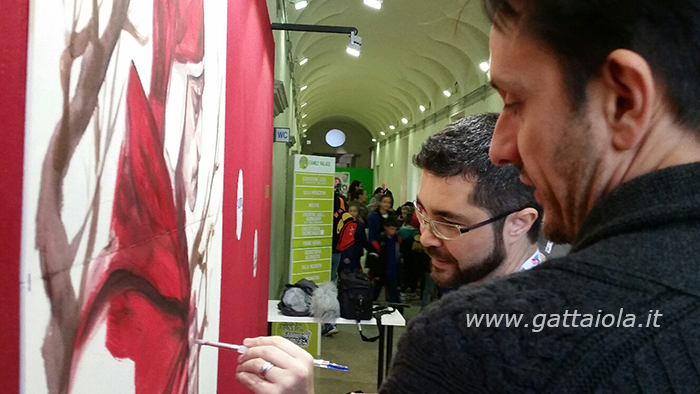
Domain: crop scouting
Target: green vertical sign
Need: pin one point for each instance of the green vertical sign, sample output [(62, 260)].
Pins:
[(312, 218)]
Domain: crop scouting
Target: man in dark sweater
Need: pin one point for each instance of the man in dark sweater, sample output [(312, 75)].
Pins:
[(600, 115)]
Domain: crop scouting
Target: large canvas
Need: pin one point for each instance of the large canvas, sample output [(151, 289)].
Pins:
[(123, 190)]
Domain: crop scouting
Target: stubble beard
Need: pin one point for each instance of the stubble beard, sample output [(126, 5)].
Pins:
[(576, 164), (474, 272)]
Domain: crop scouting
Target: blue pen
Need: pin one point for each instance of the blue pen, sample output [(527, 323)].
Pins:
[(242, 349)]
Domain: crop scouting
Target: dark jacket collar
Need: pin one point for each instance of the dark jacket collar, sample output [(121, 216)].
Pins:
[(648, 227), (667, 196)]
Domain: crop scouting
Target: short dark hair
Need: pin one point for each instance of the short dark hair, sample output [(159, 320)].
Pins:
[(391, 221), (583, 33), (357, 193), (462, 149)]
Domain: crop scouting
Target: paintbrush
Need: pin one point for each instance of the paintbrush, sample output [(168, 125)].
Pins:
[(242, 349)]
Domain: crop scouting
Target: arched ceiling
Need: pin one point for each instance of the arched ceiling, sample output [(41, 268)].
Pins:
[(412, 50)]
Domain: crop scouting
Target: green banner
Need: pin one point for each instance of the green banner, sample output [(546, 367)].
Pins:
[(312, 243), (311, 266), (313, 217), (313, 231), (313, 205), (314, 193), (311, 254), (315, 180), (317, 277)]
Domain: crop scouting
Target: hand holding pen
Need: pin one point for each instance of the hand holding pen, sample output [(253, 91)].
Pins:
[(242, 349), (275, 365)]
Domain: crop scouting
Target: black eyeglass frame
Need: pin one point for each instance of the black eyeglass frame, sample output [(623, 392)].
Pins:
[(462, 229)]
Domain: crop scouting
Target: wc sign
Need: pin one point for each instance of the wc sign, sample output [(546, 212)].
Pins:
[(281, 134)]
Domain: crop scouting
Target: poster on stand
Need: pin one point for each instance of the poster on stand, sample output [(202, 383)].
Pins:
[(312, 218)]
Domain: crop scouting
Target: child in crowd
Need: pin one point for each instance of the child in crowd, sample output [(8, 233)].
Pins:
[(409, 272), (350, 257), (384, 268), (376, 218)]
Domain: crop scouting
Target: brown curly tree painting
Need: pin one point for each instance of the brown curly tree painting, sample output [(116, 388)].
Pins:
[(139, 270)]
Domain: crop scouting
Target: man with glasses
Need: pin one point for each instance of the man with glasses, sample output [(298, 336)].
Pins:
[(478, 221)]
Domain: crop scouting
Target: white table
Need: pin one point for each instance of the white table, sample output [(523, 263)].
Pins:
[(391, 320)]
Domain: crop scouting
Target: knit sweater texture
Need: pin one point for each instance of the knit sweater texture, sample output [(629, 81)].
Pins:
[(638, 249)]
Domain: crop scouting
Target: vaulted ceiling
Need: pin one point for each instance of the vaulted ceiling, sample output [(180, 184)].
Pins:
[(412, 50)]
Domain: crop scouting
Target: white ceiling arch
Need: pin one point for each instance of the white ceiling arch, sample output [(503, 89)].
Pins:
[(412, 50)]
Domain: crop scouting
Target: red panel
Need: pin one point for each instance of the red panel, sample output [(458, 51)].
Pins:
[(13, 74), (249, 113)]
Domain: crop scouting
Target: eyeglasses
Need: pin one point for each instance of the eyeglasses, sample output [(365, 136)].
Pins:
[(449, 231)]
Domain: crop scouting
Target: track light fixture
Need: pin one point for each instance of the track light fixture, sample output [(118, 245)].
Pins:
[(355, 45), (450, 92)]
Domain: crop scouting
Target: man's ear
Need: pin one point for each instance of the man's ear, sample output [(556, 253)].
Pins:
[(519, 223), (629, 97)]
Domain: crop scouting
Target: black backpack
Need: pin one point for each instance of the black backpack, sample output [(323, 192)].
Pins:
[(355, 296), (344, 226)]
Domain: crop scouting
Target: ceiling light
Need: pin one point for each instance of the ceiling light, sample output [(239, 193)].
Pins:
[(303, 88), (305, 130), (354, 46), (303, 61), (376, 4), (391, 165), (303, 105), (303, 116), (382, 133), (404, 120), (374, 140), (450, 92), (421, 108), (303, 125), (392, 127), (300, 4), (484, 66)]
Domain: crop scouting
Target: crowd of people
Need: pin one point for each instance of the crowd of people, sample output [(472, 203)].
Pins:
[(389, 239)]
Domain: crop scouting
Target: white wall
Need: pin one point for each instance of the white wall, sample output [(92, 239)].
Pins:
[(279, 234), (403, 179)]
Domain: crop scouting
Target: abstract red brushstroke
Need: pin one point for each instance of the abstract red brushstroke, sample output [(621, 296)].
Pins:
[(145, 285), (140, 285)]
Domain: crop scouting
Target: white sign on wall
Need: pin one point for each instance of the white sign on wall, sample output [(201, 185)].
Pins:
[(281, 134)]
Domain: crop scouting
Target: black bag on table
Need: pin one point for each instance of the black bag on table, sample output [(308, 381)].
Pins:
[(355, 296)]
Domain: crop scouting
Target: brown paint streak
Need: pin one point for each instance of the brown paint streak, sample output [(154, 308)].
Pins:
[(56, 254)]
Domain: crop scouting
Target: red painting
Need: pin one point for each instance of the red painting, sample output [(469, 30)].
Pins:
[(128, 196)]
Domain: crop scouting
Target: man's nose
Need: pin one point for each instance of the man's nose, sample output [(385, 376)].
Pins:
[(428, 238), (504, 143)]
